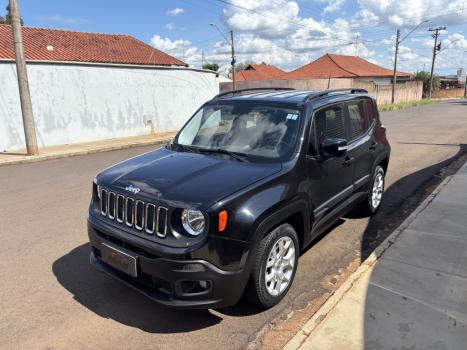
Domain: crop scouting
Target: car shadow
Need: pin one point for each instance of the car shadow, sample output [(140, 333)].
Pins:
[(110, 299), (400, 199), (390, 320)]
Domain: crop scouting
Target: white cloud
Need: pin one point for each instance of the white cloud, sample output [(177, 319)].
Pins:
[(364, 18), (276, 32), (409, 13), (171, 26), (333, 5), (181, 49), (175, 12)]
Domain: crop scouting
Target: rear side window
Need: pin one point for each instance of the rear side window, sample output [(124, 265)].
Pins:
[(370, 111), (357, 119), (330, 123)]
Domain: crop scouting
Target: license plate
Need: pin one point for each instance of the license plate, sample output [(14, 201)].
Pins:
[(118, 259)]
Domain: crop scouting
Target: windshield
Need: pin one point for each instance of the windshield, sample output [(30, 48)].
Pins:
[(247, 129)]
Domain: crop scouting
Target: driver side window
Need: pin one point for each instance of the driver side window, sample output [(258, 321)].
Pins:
[(330, 123)]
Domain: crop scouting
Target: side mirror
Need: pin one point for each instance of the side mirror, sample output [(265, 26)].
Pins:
[(334, 148)]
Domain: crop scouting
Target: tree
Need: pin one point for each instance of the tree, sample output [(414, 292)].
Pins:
[(425, 78), (242, 65), (211, 66), (7, 18)]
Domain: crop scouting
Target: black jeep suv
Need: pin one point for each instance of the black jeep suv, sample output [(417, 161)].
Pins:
[(226, 207)]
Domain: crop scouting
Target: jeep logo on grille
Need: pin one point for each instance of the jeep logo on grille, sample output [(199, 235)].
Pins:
[(135, 190)]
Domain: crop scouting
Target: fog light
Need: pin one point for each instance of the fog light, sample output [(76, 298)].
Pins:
[(203, 284)]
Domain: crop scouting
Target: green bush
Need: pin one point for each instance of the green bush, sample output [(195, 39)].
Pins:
[(404, 105), (425, 78)]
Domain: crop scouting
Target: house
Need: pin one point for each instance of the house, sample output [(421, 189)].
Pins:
[(259, 72), (91, 86), (453, 81), (340, 66)]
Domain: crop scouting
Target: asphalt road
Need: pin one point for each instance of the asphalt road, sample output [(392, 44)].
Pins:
[(50, 298)]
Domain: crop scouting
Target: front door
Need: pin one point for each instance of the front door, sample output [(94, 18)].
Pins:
[(330, 178)]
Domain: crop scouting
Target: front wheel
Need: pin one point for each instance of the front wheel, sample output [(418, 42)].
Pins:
[(274, 267)]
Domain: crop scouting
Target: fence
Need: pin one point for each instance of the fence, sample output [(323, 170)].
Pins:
[(449, 93), (407, 91)]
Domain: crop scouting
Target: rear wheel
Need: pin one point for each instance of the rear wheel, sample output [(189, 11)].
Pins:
[(375, 193), (274, 268)]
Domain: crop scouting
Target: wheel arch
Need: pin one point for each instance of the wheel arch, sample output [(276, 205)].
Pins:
[(296, 213)]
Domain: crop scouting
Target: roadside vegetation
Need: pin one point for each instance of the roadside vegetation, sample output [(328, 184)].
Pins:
[(408, 104)]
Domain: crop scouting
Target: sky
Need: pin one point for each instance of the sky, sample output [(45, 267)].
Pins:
[(285, 33)]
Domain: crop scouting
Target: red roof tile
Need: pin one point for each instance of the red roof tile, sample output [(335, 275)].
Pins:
[(340, 66), (83, 47), (259, 72)]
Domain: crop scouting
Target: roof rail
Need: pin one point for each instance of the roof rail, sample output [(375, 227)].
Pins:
[(234, 92), (316, 95)]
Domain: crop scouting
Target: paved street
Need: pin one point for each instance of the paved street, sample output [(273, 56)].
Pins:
[(51, 298)]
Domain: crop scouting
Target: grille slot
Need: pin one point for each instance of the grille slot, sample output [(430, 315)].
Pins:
[(150, 218), (162, 222), (146, 217), (130, 211), (104, 202), (111, 205), (120, 208), (139, 215)]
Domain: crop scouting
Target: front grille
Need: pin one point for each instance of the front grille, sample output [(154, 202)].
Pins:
[(144, 217)]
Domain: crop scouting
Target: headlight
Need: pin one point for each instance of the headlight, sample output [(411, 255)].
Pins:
[(193, 221)]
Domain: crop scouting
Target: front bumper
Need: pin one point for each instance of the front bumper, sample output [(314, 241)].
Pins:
[(172, 281)]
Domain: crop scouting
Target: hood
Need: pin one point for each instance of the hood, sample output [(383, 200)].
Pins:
[(182, 178)]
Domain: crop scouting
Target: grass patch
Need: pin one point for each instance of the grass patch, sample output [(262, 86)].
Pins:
[(403, 105)]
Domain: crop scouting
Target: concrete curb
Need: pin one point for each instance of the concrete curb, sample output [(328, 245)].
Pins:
[(40, 158), (300, 337)]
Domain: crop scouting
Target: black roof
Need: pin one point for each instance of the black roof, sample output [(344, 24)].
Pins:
[(286, 95)]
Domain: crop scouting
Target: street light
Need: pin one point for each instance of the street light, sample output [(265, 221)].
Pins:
[(231, 43), (398, 42)]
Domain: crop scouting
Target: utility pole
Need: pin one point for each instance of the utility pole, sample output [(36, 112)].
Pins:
[(435, 48), (202, 59), (394, 75), (233, 61), (231, 43), (396, 53), (23, 85)]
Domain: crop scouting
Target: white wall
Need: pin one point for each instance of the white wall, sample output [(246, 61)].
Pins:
[(77, 103)]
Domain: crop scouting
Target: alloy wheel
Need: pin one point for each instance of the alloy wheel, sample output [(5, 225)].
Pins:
[(378, 188), (280, 266)]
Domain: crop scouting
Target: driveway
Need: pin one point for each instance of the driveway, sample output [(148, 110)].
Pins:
[(50, 298)]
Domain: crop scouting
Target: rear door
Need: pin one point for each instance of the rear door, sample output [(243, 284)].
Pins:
[(361, 141)]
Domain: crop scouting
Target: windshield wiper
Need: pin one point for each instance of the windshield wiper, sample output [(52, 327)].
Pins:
[(186, 148), (236, 155)]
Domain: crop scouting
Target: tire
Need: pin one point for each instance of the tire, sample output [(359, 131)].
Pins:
[(268, 263), (371, 204)]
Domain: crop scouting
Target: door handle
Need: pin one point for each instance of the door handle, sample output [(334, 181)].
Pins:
[(373, 146), (348, 161)]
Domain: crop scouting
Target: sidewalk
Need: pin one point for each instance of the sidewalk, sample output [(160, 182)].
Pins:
[(77, 149), (412, 292)]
